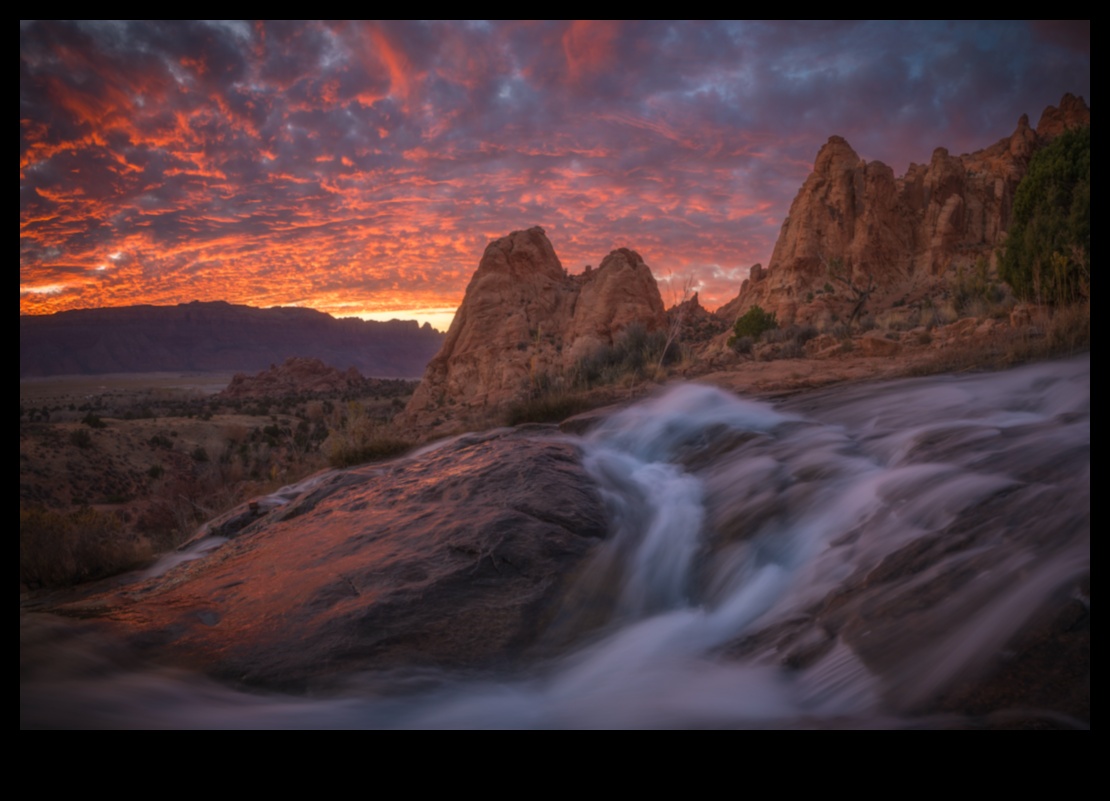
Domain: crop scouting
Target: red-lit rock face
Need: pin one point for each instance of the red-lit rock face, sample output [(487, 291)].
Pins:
[(523, 318), (453, 558), (906, 235)]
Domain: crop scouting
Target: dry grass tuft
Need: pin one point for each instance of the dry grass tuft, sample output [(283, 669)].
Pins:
[(57, 549), (1063, 331)]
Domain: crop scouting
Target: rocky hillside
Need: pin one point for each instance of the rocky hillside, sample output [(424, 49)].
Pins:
[(855, 228), (216, 337), (523, 318)]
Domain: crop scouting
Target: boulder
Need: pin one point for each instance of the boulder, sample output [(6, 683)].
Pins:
[(869, 345)]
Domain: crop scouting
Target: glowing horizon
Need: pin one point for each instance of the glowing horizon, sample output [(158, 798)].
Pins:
[(361, 168)]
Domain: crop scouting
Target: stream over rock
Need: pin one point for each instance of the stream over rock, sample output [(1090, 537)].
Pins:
[(906, 554)]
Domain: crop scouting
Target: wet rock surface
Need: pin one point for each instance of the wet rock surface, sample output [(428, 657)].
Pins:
[(453, 558)]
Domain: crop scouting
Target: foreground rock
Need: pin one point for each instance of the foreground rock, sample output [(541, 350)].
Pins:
[(524, 320), (453, 558), (854, 227)]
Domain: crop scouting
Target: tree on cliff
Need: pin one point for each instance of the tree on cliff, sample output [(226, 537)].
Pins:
[(1047, 256)]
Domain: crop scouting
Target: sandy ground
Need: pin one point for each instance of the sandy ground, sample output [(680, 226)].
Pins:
[(68, 389)]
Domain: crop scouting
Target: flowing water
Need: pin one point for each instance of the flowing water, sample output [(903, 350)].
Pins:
[(845, 558)]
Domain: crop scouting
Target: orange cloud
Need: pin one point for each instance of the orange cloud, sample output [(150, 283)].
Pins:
[(588, 46)]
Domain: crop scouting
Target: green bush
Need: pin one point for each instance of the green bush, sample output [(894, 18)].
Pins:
[(1047, 255), (754, 323)]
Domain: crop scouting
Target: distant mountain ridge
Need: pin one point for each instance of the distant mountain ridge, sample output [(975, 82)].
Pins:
[(217, 336)]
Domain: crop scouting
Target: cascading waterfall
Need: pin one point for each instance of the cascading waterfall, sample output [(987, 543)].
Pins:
[(844, 558)]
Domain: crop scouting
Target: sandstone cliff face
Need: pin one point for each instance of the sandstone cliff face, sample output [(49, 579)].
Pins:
[(523, 318), (854, 219), (622, 291)]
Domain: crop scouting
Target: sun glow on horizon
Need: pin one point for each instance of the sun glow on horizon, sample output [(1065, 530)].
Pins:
[(439, 319)]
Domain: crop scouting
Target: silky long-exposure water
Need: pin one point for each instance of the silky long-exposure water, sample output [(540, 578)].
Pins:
[(879, 555)]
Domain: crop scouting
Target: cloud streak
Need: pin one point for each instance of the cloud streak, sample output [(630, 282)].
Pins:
[(363, 167)]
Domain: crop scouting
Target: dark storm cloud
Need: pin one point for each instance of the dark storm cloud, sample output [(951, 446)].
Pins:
[(357, 166)]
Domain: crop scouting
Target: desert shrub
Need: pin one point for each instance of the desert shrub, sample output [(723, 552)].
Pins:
[(974, 293), (754, 323), (794, 334), (1047, 254), (742, 345), (187, 498), (92, 421), (81, 439), (1069, 329), (57, 549), (547, 408), (359, 438), (806, 333), (635, 353), (1063, 331), (792, 350)]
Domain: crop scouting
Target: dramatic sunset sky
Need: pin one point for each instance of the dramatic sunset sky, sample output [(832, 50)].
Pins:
[(361, 168)]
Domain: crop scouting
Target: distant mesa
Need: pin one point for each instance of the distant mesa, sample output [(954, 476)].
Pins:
[(905, 235), (217, 337), (295, 376), (524, 317)]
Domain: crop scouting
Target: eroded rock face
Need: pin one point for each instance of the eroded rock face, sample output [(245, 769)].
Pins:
[(524, 319), (619, 293), (695, 324), (854, 222), (453, 558)]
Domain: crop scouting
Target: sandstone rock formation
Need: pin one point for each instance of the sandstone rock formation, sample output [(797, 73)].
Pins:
[(455, 558), (853, 226), (620, 292), (524, 320), (694, 323), (294, 376)]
